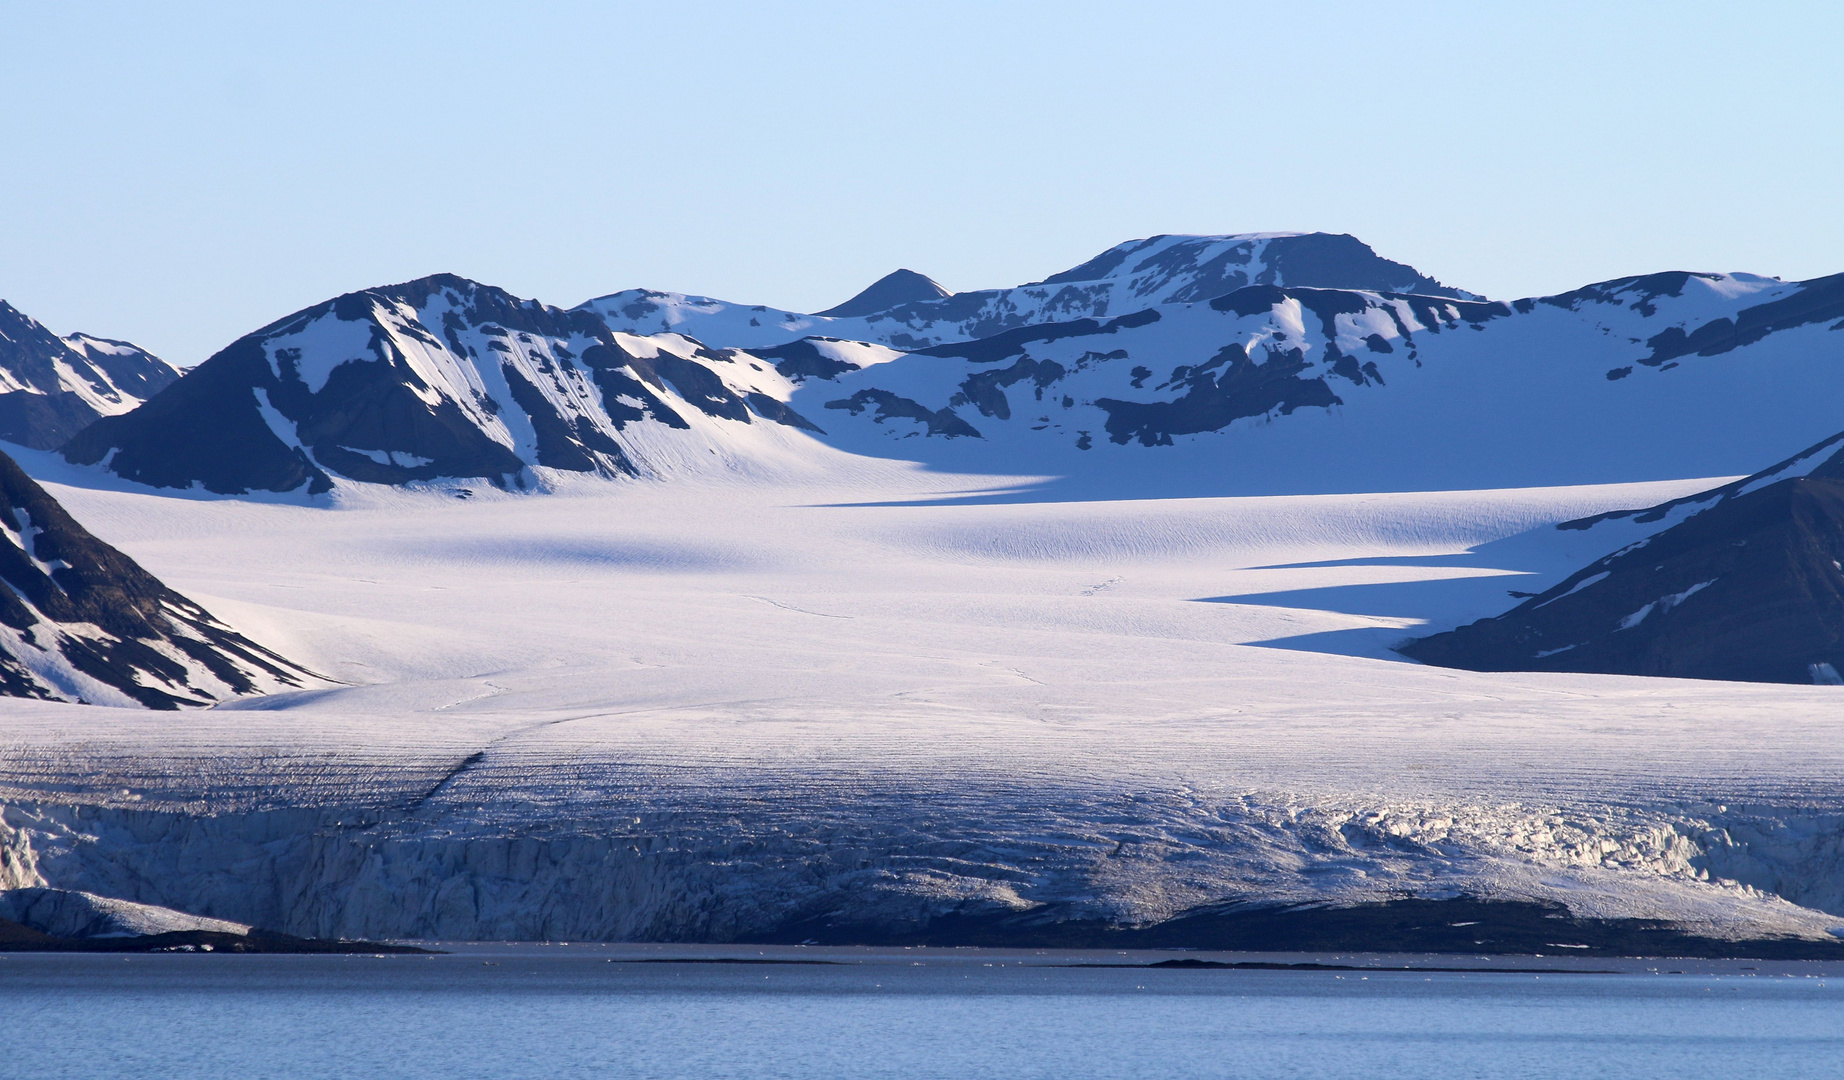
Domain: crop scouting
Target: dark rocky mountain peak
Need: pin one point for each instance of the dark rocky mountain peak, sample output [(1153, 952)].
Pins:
[(896, 287), (430, 379), (80, 621), (52, 387)]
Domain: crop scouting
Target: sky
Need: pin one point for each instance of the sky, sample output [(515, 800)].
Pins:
[(178, 174)]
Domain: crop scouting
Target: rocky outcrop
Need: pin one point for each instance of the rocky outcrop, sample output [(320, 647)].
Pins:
[(80, 621), (53, 387), (1749, 586)]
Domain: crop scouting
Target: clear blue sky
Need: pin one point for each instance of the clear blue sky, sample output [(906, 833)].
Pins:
[(178, 174)]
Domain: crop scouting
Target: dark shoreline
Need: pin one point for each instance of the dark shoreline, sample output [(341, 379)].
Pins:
[(1454, 927), (1457, 926), (17, 938)]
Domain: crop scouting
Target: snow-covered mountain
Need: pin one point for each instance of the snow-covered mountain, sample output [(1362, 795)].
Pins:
[(80, 621), (1275, 390), (444, 377), (1742, 582), (1266, 389), (53, 387), (1126, 278)]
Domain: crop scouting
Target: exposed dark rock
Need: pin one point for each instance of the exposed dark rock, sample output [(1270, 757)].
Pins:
[(1128, 277), (1012, 343), (561, 444), (1461, 925), (17, 938), (208, 429), (1211, 402), (985, 389), (701, 387), (1328, 304), (43, 421), (943, 422), (620, 375), (135, 371), (1816, 301), (778, 411), (48, 410), (800, 360), (1749, 588), (62, 580), (1638, 292)]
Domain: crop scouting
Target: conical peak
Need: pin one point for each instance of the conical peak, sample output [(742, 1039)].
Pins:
[(895, 288)]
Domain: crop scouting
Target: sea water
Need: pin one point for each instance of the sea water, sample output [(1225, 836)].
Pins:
[(580, 1012)]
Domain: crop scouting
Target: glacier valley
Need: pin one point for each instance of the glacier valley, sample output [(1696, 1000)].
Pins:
[(864, 695)]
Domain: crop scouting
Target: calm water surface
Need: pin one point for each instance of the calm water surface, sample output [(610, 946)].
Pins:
[(574, 1013)]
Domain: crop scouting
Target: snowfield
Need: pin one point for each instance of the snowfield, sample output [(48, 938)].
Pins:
[(708, 709)]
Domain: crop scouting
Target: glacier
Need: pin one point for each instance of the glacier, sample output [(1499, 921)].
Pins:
[(879, 694)]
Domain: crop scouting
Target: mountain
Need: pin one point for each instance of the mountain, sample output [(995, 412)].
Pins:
[(1126, 278), (1267, 389), (52, 387), (443, 377), (80, 621), (1275, 390), (896, 287), (1180, 269), (1743, 582)]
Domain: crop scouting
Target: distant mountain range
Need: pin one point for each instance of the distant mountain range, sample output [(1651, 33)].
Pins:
[(1129, 372), (908, 311), (446, 378), (1270, 390), (80, 621), (52, 387)]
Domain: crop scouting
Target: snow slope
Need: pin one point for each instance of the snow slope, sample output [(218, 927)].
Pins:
[(708, 709)]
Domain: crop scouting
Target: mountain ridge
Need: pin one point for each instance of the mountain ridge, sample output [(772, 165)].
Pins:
[(1266, 389), (52, 387), (1128, 277), (434, 378)]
